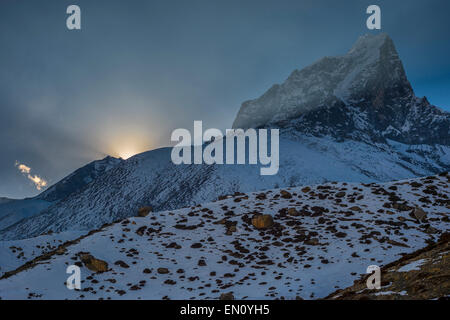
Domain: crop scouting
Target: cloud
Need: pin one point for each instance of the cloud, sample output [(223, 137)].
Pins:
[(23, 168), (39, 182)]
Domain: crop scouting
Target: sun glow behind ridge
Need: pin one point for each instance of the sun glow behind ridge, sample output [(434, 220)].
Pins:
[(126, 145)]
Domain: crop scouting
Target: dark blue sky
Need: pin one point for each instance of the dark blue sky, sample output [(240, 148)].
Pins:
[(139, 69)]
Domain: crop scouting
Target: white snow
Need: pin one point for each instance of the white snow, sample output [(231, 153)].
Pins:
[(415, 265), (258, 265)]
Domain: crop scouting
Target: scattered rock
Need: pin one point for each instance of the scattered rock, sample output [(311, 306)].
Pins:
[(401, 206), (419, 214), (285, 195), (262, 221), (261, 196), (144, 211), (163, 270), (93, 263), (226, 296), (141, 230), (122, 264)]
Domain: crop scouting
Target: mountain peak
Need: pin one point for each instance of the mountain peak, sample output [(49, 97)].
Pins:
[(371, 42), (372, 65), (363, 94)]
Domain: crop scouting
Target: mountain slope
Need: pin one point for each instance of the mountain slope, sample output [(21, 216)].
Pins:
[(78, 179), (322, 237), (351, 118), (152, 179), (12, 211)]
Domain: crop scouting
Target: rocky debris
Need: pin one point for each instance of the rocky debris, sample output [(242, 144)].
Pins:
[(231, 227), (92, 263), (264, 221), (144, 211), (401, 206), (141, 230)]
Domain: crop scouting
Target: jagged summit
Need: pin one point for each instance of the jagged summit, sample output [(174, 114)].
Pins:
[(363, 94)]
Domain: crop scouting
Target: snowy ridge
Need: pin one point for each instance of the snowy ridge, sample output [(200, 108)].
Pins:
[(322, 238)]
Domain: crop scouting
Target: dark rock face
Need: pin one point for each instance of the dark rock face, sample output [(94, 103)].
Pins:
[(363, 95)]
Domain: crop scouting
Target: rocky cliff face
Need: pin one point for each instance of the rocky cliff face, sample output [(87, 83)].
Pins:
[(362, 95)]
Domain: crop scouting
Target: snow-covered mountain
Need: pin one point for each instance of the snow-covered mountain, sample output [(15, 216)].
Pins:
[(350, 118), (363, 95), (12, 211), (285, 243)]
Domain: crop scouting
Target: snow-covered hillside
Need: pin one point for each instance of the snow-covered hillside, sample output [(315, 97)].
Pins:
[(12, 211), (16, 210), (15, 253), (320, 238), (152, 179)]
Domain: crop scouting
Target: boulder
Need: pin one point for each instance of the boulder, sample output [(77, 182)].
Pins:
[(293, 212), (285, 194), (419, 214), (93, 263), (163, 270), (144, 211), (262, 221), (226, 296)]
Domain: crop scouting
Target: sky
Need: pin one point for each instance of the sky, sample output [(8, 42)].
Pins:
[(137, 70)]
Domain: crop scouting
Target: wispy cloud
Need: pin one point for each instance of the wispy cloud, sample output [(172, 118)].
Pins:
[(38, 182)]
